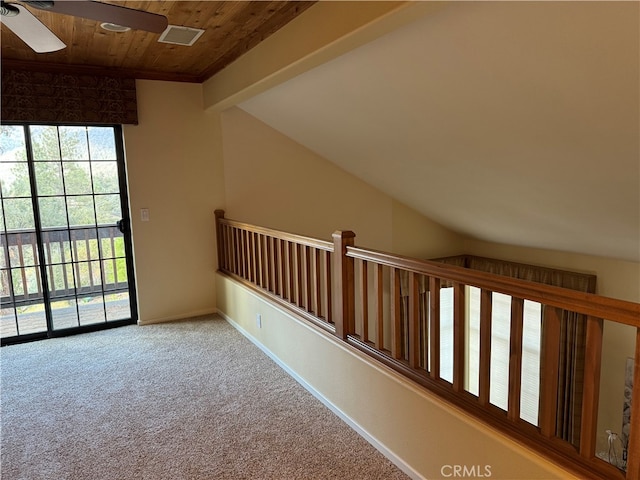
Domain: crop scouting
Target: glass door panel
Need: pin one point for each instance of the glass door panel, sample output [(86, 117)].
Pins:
[(22, 311), (62, 186)]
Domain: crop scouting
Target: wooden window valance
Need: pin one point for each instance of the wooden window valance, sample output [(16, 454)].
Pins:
[(63, 98), (550, 276)]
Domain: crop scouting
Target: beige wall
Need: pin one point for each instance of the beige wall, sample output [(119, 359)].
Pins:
[(406, 423), (275, 182), (175, 170)]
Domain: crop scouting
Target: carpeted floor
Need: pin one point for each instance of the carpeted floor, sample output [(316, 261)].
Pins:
[(185, 400)]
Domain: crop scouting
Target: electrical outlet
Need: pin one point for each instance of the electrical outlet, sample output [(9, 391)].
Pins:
[(259, 320)]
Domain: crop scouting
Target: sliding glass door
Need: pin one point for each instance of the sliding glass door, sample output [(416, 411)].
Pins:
[(66, 262)]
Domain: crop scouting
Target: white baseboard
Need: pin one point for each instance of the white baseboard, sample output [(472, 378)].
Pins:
[(182, 316), (391, 456)]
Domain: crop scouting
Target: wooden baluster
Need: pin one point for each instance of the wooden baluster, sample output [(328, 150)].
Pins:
[(328, 276), (434, 327), (396, 315), (459, 311), (221, 251), (282, 255), (232, 249), (591, 389), (414, 322), (297, 252), (241, 253), (266, 271), (293, 272), (271, 255), (301, 276), (364, 300), (343, 294), (253, 260), (286, 272), (633, 459), (248, 246), (515, 358), (317, 282), (257, 258), (484, 385), (264, 261), (378, 306), (550, 358), (289, 271), (308, 278)]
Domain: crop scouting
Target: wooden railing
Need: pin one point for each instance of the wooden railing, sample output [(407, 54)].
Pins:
[(385, 305), (71, 257)]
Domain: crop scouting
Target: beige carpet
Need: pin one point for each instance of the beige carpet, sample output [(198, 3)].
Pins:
[(185, 400)]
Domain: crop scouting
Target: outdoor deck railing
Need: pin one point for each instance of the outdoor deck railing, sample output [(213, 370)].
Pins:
[(79, 261), (380, 303)]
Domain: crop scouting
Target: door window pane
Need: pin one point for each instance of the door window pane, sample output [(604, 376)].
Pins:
[(14, 181), (12, 144), (77, 178), (49, 178), (45, 143), (105, 177), (81, 210), (102, 143), (73, 143), (18, 214), (108, 209), (53, 212), (57, 247), (64, 314)]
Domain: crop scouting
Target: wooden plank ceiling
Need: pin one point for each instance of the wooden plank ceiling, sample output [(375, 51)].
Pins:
[(231, 28)]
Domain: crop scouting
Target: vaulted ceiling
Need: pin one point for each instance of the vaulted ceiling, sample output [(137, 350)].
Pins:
[(511, 122), (231, 28)]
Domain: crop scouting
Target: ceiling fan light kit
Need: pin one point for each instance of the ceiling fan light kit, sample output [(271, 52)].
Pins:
[(37, 36), (112, 27)]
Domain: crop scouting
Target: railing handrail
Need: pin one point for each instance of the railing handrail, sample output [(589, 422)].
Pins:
[(289, 237), (620, 311), (286, 268)]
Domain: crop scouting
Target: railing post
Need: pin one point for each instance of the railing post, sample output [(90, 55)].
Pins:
[(591, 392), (549, 366), (343, 284), (219, 214), (633, 447)]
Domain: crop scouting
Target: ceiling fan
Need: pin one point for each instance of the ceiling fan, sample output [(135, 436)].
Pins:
[(42, 40)]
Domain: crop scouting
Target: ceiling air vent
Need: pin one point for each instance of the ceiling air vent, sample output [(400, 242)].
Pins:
[(180, 35)]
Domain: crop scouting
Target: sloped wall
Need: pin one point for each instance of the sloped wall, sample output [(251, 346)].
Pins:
[(273, 181)]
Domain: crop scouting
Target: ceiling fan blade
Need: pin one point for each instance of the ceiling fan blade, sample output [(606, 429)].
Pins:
[(32, 31), (105, 12)]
